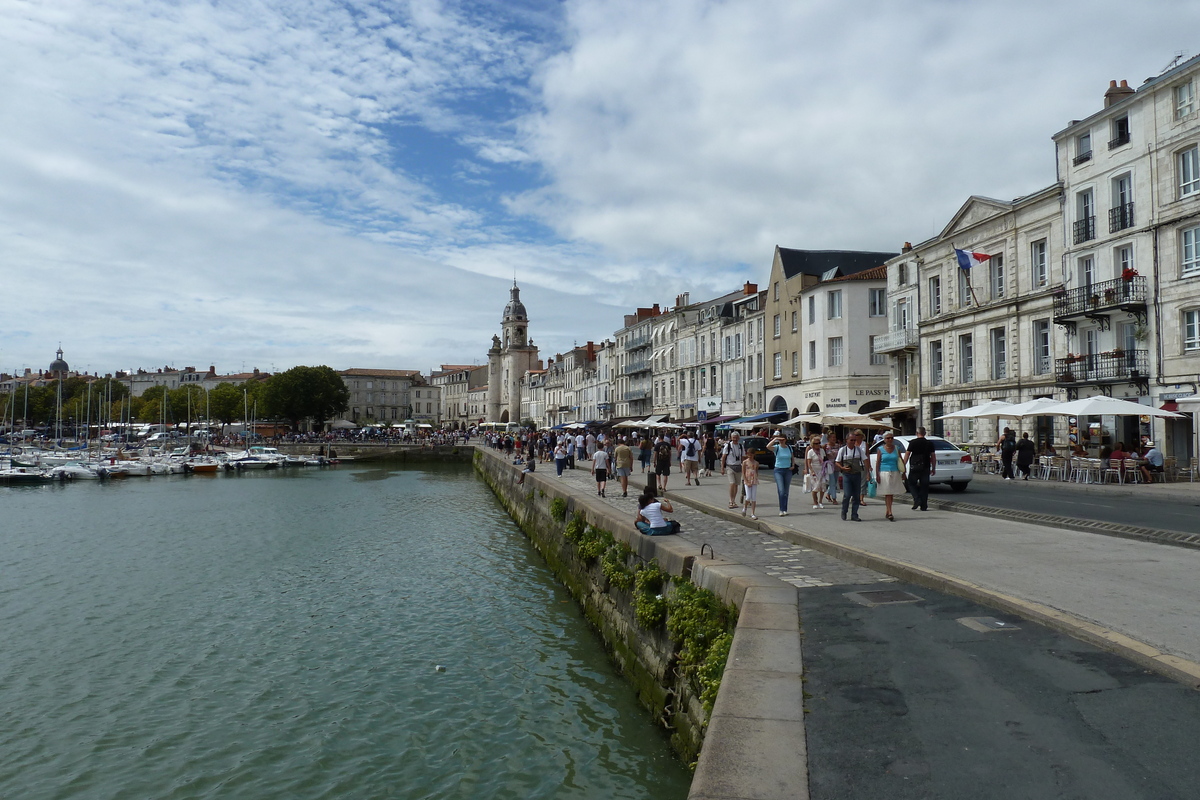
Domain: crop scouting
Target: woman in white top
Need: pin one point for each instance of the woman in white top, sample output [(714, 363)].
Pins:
[(650, 519), (814, 470)]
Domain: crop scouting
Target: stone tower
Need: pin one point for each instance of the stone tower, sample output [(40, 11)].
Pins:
[(511, 355)]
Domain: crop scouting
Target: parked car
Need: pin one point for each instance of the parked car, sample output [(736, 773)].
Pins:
[(954, 467)]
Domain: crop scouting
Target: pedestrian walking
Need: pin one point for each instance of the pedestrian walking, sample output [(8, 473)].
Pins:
[(662, 464), (623, 464), (749, 473), (921, 464), (783, 469), (852, 463), (889, 472), (1007, 445), (732, 455), (832, 474), (645, 450), (600, 470), (814, 470), (710, 454), (689, 459), (1026, 450)]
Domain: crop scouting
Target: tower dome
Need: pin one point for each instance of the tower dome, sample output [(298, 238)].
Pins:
[(58, 365), (515, 310)]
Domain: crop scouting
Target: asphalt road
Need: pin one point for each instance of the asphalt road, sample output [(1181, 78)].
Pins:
[(1107, 504), (904, 701)]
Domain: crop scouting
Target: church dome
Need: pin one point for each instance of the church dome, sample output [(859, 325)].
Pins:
[(58, 365), (515, 308)]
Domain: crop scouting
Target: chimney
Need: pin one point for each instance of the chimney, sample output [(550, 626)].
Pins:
[(256, 370), (1115, 93), (591, 351), (907, 248), (750, 288), (654, 308)]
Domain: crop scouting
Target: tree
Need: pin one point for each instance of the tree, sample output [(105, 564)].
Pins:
[(225, 403), (303, 392)]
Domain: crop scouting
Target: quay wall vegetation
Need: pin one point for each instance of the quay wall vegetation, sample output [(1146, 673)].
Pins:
[(711, 647)]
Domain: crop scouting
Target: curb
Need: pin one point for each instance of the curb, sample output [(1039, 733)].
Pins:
[(1176, 668)]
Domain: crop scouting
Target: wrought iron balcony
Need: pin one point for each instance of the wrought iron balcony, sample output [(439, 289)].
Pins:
[(637, 366), (1084, 230), (1121, 138), (1122, 294), (1081, 158), (896, 341), (635, 342), (1114, 366), (637, 394), (1120, 218)]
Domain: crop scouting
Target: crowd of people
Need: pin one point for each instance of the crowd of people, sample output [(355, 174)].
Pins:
[(829, 465)]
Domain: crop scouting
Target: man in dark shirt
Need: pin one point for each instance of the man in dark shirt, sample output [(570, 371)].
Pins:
[(921, 464)]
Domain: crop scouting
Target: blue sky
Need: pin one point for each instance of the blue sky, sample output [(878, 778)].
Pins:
[(356, 183)]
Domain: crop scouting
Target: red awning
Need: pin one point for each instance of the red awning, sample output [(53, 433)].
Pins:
[(1170, 405)]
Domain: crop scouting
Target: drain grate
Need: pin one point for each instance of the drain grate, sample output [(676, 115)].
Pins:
[(988, 624), (883, 597)]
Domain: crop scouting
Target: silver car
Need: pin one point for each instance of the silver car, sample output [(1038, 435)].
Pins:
[(954, 466)]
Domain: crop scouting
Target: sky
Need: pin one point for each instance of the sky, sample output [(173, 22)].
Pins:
[(268, 183)]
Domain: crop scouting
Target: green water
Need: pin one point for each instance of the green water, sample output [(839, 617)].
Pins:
[(277, 635)]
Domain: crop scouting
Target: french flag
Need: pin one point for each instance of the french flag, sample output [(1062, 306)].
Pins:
[(967, 259)]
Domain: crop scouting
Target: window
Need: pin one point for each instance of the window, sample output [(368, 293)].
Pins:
[(966, 358), (1087, 271), (1123, 258), (935, 363), (1037, 256), (1190, 264), (878, 302), (1120, 216), (728, 348), (1084, 227), (876, 358), (778, 329), (1189, 172), (795, 362), (964, 287), (996, 276), (902, 273), (812, 355), (1191, 330), (903, 320), (1120, 132), (759, 358), (812, 309), (999, 354), (935, 296), (776, 290), (737, 345), (1083, 148), (1185, 100), (835, 305), (1041, 346), (835, 351), (778, 366), (795, 321)]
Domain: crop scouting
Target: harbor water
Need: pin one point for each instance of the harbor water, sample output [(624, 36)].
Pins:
[(358, 632)]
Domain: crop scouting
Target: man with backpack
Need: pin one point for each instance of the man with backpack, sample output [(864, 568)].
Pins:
[(689, 458), (731, 464)]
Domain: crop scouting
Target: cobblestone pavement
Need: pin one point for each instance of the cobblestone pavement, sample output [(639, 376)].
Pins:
[(799, 566)]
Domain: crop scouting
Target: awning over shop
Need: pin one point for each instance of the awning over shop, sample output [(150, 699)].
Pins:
[(725, 418), (907, 408)]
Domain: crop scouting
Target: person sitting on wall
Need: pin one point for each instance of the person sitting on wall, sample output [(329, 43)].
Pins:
[(650, 519)]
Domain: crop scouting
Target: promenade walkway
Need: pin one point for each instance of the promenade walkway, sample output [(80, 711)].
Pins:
[(919, 699)]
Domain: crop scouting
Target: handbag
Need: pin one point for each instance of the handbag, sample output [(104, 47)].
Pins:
[(871, 487)]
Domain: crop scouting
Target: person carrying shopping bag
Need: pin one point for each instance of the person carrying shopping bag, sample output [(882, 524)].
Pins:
[(889, 472)]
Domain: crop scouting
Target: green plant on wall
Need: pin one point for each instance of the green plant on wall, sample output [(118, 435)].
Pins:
[(712, 669), (615, 565), (558, 509), (650, 606), (576, 527), (594, 542)]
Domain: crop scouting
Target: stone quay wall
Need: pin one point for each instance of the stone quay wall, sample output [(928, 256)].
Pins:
[(753, 742), (373, 451)]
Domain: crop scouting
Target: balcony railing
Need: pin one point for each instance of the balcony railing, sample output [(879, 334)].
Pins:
[(637, 394), (895, 341), (1115, 366), (1114, 295), (1121, 138), (1120, 218), (1081, 158), (637, 366), (1084, 230), (637, 341)]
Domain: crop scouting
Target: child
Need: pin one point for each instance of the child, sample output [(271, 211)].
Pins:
[(750, 484)]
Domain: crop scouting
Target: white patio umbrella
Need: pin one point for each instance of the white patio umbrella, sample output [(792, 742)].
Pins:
[(1105, 406), (343, 424), (630, 423), (992, 408), (1030, 408)]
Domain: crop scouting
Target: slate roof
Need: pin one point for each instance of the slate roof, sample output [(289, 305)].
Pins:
[(819, 262)]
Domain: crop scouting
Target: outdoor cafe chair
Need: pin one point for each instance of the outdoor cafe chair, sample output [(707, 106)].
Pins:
[(1133, 473)]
